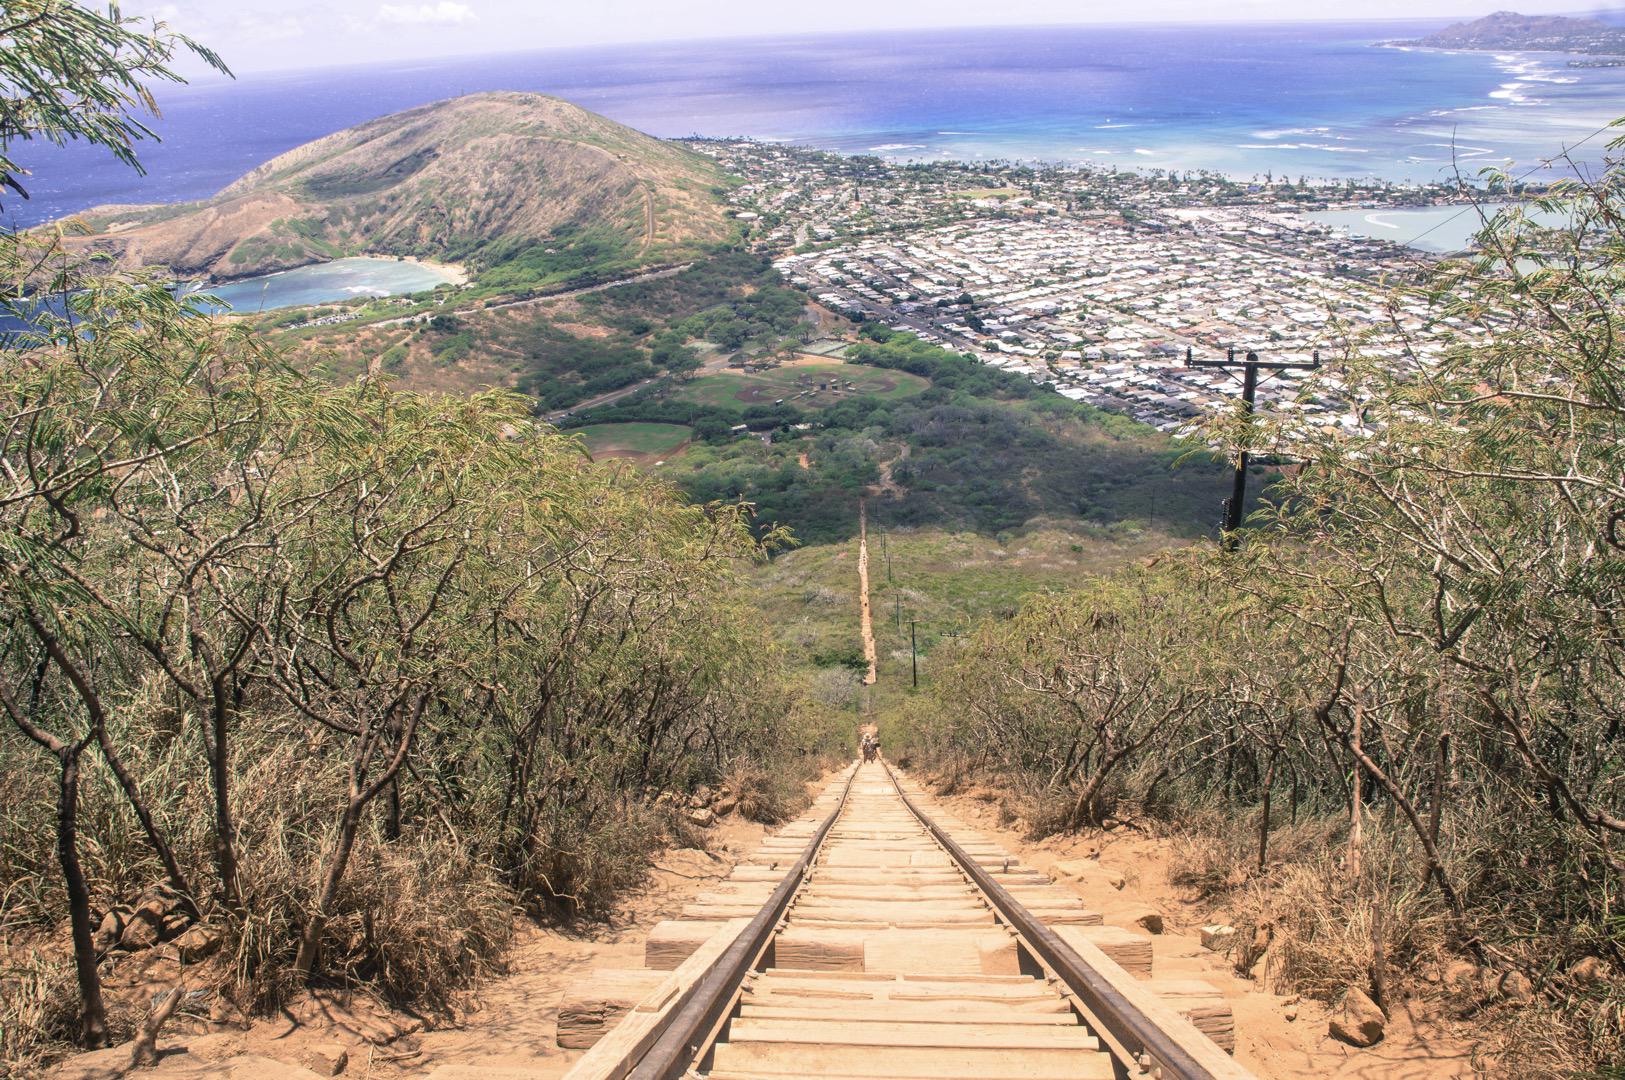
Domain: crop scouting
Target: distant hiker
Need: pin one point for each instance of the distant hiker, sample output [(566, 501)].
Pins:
[(869, 747)]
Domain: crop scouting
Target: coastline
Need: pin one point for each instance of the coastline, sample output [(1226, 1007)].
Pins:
[(454, 273)]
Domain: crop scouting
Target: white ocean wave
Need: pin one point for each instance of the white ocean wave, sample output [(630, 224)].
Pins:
[(1143, 150), (897, 146), (1304, 146), (1464, 151), (1110, 126), (1283, 132)]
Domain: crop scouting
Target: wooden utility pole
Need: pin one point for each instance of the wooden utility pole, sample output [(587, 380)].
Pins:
[(913, 654), (1234, 505)]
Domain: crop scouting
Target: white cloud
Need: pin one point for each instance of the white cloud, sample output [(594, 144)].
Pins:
[(444, 13)]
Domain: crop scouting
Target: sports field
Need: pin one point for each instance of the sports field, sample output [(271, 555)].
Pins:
[(810, 383), (641, 441)]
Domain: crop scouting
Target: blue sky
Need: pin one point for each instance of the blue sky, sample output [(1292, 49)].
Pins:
[(309, 33)]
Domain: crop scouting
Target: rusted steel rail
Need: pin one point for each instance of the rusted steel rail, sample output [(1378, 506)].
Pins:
[(692, 1026), (1147, 1037), (730, 1000)]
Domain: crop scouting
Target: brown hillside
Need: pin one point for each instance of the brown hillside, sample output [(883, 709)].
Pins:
[(484, 179)]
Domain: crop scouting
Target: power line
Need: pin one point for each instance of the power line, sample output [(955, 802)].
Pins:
[(1545, 163)]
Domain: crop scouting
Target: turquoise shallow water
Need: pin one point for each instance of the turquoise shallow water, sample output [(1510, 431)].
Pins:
[(1439, 229), (342, 279), (327, 283)]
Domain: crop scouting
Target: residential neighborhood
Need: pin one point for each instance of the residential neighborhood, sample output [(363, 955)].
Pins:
[(1101, 284)]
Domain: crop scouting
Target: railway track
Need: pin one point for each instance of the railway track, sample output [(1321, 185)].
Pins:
[(876, 937)]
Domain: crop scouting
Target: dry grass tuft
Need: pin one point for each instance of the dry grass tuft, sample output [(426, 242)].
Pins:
[(766, 795), (39, 1008)]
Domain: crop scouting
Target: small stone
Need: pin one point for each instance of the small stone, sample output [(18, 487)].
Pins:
[(325, 1059), (174, 924), (1587, 971), (1515, 986), (198, 943), (702, 817), (1357, 1020), (1218, 938), (1291, 1013), (142, 931), (726, 805), (107, 934), (1460, 977), (154, 910)]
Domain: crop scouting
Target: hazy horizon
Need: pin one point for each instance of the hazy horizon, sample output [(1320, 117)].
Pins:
[(305, 35)]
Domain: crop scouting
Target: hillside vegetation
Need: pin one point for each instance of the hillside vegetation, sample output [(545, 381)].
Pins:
[(1389, 725), (524, 188), (978, 449), (322, 683)]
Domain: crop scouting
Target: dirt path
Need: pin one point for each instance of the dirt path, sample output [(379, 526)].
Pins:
[(604, 399), (547, 298), (1278, 1036), (507, 1028), (865, 625), (648, 221)]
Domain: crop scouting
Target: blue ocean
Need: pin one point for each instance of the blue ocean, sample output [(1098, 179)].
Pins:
[(1316, 100)]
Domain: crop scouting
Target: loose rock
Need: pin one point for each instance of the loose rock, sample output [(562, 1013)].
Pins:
[(1460, 977), (1218, 938), (725, 806), (1586, 971), (1515, 986), (198, 943), (143, 931), (326, 1059), (1357, 1020), (1147, 918), (702, 817), (108, 933)]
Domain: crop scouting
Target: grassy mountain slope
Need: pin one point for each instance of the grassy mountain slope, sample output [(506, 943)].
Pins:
[(518, 185)]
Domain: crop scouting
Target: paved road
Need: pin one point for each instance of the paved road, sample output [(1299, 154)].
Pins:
[(604, 399)]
